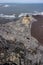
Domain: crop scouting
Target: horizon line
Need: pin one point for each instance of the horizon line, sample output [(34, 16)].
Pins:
[(22, 2)]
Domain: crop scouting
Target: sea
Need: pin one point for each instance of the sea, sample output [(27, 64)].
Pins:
[(18, 9)]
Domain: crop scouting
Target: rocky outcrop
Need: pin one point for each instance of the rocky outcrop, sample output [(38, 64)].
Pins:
[(12, 34)]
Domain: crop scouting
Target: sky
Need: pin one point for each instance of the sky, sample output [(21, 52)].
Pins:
[(21, 1)]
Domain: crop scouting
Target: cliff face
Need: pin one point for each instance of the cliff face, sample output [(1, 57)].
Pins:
[(13, 33), (37, 28)]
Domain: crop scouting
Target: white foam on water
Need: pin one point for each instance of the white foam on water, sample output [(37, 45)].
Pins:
[(6, 6), (24, 14), (34, 13), (8, 16), (41, 13), (37, 13), (13, 16)]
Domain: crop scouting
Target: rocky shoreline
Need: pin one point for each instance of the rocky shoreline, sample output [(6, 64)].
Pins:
[(21, 38)]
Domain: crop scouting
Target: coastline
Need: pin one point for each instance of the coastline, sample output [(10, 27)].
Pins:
[(15, 37), (36, 29)]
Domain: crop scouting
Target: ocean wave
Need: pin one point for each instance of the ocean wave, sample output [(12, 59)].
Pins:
[(41, 13), (13, 16), (6, 6), (8, 16), (34, 13), (20, 15), (24, 14), (37, 13)]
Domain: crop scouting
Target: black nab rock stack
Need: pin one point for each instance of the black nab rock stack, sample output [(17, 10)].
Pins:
[(17, 46)]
